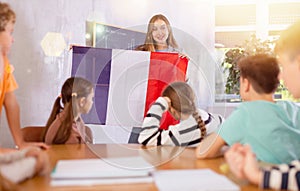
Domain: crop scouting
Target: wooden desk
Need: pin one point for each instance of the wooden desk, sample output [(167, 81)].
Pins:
[(163, 157)]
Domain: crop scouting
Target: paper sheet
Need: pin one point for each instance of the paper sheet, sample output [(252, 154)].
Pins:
[(192, 180)]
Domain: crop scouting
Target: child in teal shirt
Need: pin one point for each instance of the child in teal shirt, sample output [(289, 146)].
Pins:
[(272, 129), (241, 160)]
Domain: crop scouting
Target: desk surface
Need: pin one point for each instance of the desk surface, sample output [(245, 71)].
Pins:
[(162, 157)]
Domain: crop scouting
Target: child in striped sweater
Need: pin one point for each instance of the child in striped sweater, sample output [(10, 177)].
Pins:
[(178, 98)]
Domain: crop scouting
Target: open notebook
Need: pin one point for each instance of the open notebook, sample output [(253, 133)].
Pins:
[(101, 171)]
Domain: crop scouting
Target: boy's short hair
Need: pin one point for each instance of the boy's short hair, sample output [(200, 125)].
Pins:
[(262, 71), (6, 15), (289, 41)]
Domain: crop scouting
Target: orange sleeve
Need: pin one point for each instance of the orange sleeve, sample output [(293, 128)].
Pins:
[(9, 80)]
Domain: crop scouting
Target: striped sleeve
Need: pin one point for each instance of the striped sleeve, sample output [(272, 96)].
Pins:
[(151, 134), (282, 177), (186, 133), (212, 121)]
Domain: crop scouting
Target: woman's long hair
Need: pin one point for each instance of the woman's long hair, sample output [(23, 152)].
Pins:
[(183, 100), (72, 90), (149, 44)]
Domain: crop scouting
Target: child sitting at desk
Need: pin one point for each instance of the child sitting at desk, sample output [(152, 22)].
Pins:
[(241, 160), (65, 124), (15, 165), (270, 128), (178, 98)]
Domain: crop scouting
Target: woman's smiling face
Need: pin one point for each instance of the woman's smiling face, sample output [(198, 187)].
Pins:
[(160, 32)]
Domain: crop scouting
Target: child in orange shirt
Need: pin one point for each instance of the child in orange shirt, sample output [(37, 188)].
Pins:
[(15, 166), (7, 82)]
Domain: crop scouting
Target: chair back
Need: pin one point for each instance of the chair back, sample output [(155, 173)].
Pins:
[(134, 135), (32, 133), (89, 137)]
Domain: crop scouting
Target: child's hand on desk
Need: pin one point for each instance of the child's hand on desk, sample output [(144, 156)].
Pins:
[(33, 144), (42, 166), (236, 160), (242, 163)]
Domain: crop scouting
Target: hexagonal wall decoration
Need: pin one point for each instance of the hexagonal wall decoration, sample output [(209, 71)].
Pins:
[(53, 44)]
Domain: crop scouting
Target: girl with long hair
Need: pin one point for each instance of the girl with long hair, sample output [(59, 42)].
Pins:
[(65, 124), (159, 37)]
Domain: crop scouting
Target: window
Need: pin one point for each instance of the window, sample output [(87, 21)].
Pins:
[(237, 22), (235, 15)]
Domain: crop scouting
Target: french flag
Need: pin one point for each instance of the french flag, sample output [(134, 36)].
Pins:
[(126, 82)]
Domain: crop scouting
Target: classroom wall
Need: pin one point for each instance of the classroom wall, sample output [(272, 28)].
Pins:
[(40, 77)]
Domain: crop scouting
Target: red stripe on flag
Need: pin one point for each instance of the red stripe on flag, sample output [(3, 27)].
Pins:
[(164, 69)]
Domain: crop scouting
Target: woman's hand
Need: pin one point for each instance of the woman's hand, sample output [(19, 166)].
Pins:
[(182, 55)]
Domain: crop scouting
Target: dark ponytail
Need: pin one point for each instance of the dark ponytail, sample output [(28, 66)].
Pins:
[(200, 122), (55, 110)]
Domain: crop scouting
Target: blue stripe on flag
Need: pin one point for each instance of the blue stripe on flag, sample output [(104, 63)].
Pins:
[(94, 64)]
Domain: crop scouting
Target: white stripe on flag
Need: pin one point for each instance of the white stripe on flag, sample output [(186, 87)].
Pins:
[(128, 87)]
